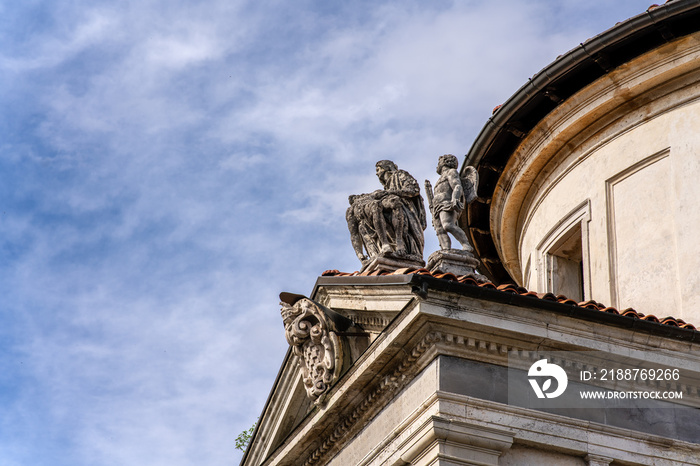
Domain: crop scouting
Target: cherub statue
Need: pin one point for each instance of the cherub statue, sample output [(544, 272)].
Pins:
[(451, 196)]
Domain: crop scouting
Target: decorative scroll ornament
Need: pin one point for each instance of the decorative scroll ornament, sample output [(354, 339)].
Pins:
[(315, 343)]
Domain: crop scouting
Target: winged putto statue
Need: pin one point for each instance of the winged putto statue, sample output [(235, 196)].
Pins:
[(451, 196)]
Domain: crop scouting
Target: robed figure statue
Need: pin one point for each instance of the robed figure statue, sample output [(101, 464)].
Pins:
[(388, 222)]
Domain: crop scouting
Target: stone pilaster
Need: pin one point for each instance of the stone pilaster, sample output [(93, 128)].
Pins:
[(445, 442), (597, 460)]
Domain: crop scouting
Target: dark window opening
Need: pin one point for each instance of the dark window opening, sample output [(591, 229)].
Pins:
[(565, 265)]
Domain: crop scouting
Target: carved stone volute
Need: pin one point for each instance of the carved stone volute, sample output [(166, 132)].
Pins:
[(312, 332)]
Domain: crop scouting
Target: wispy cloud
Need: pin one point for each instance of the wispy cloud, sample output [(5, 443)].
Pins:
[(169, 167)]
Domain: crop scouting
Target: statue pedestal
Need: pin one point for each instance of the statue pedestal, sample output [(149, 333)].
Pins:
[(390, 263), (455, 261)]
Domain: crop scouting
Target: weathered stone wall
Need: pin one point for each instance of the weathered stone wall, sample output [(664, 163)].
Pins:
[(518, 456), (434, 386), (621, 161)]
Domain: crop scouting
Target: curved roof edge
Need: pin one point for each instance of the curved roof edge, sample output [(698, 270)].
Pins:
[(568, 74)]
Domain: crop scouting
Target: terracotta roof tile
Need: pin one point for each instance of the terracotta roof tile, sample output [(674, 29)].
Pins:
[(336, 273), (466, 279), (446, 276), (564, 300), (591, 304), (670, 321), (514, 289)]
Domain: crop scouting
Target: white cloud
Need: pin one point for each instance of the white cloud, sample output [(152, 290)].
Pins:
[(175, 165), (45, 51), (179, 52)]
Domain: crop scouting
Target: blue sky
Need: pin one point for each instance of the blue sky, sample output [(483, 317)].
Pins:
[(167, 168)]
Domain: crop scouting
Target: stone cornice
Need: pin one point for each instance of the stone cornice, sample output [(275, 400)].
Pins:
[(388, 386), (446, 324), (465, 438), (572, 436)]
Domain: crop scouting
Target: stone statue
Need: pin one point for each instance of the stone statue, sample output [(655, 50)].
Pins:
[(451, 196), (388, 222)]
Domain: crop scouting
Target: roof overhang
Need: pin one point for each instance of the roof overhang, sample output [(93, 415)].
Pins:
[(569, 73), (438, 314)]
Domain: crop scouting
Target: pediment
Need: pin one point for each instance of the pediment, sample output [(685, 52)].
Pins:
[(351, 317), (288, 404)]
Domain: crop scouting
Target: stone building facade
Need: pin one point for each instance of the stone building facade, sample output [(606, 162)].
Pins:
[(587, 196), (591, 171)]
